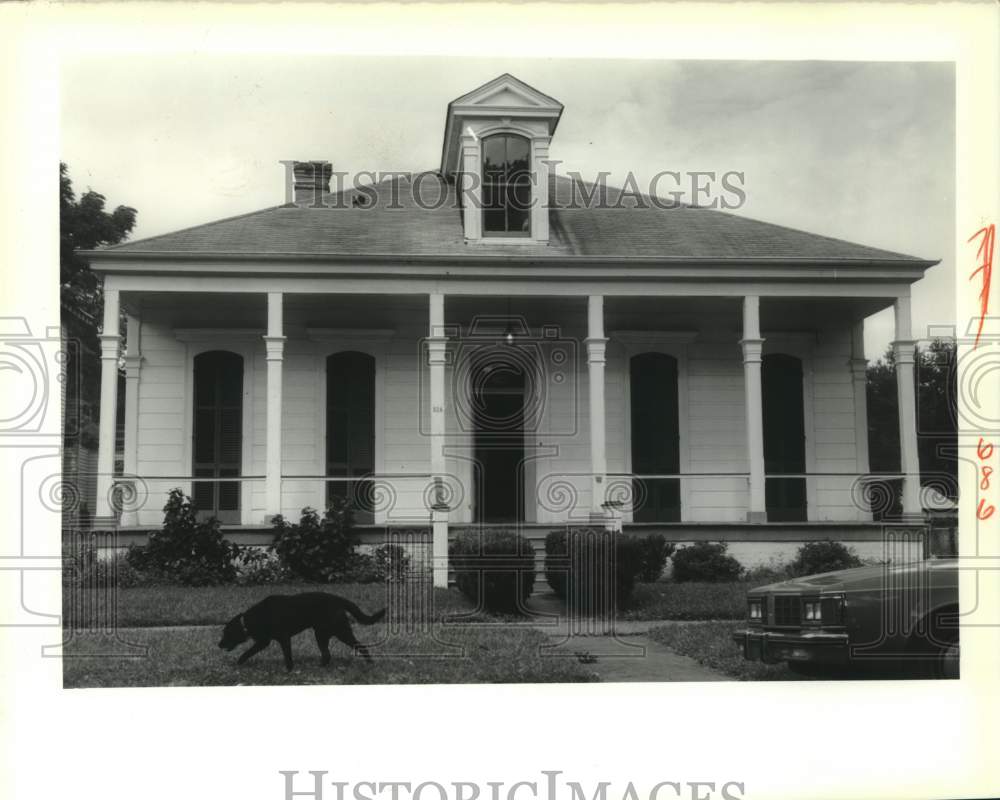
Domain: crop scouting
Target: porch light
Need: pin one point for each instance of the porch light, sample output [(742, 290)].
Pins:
[(508, 336)]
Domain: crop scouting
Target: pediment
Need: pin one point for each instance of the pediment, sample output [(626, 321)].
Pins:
[(506, 92)]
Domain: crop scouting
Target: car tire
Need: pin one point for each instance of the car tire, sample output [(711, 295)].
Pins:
[(936, 654)]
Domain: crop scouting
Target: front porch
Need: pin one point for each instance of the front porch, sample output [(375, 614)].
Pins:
[(703, 415)]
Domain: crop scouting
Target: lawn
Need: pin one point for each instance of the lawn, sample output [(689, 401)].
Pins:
[(711, 644), (154, 606), (191, 657)]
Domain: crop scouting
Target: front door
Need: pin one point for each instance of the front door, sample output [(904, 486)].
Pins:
[(784, 438), (497, 388), (655, 437)]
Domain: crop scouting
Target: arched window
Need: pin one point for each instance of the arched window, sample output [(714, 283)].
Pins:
[(350, 429), (655, 436), (218, 433), (784, 437), (506, 185)]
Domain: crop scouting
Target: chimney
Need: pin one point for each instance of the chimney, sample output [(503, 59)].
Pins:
[(310, 182)]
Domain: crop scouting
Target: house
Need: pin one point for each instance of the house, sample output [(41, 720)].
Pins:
[(472, 346)]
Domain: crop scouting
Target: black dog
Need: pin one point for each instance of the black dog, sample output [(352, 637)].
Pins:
[(280, 617)]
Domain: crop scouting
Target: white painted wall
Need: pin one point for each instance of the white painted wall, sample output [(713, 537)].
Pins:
[(713, 439)]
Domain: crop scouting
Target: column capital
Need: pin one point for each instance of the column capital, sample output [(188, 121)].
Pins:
[(903, 350), (110, 345), (859, 368), (752, 350), (133, 364), (437, 349), (596, 349), (275, 347)]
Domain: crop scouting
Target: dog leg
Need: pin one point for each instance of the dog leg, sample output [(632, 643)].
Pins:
[(346, 635), (323, 642), (286, 649), (255, 648)]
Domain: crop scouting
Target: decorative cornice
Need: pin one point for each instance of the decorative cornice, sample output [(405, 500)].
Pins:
[(904, 351), (752, 349), (654, 337), (223, 334), (356, 334)]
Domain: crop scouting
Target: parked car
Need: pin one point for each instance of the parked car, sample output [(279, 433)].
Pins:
[(893, 621)]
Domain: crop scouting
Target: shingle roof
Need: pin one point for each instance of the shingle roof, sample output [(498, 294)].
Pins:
[(404, 228)]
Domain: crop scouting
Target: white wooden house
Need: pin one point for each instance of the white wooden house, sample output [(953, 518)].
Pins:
[(506, 360)]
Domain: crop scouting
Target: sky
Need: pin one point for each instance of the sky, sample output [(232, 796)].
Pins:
[(862, 151)]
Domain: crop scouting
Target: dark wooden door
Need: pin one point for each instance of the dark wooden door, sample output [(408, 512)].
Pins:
[(784, 438), (350, 429), (655, 436), (498, 399), (218, 433)]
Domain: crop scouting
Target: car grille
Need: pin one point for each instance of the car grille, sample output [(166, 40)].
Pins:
[(787, 610)]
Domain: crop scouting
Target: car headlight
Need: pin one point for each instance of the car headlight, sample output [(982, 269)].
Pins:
[(755, 609), (812, 611)]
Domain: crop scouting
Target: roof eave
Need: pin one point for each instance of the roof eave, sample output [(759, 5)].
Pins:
[(97, 256)]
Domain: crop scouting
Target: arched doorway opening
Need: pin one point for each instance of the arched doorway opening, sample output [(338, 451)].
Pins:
[(498, 386)]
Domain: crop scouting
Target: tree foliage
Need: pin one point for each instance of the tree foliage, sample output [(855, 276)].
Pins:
[(83, 225), (936, 411)]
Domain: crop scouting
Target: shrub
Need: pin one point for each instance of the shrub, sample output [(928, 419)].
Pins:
[(87, 569), (827, 556), (256, 566), (392, 562), (185, 550), (495, 568), (576, 565), (316, 549), (654, 551), (705, 561)]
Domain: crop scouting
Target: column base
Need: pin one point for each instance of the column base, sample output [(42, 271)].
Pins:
[(439, 547), (757, 517)]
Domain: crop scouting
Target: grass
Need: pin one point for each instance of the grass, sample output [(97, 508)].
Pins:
[(155, 606), (191, 657), (711, 644), (689, 601)]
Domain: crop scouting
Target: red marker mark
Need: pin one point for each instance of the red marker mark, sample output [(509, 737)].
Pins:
[(983, 452), (988, 236)]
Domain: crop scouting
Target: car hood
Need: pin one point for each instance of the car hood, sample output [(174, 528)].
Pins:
[(873, 577)]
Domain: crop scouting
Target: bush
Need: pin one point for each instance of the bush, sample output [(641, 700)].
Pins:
[(495, 568), (185, 550), (828, 556), (392, 562), (87, 569), (706, 561), (574, 559), (256, 566), (654, 551), (317, 549)]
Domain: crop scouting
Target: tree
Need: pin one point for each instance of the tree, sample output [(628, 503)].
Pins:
[(936, 413), (84, 225)]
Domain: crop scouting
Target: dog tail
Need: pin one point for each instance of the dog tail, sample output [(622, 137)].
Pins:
[(361, 616)]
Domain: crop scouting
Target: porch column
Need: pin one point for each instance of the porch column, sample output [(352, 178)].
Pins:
[(903, 351), (752, 345), (133, 363), (596, 348), (859, 377), (437, 349), (109, 404), (274, 342)]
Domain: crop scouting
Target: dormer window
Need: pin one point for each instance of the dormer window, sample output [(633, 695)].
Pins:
[(506, 160), (496, 150)]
